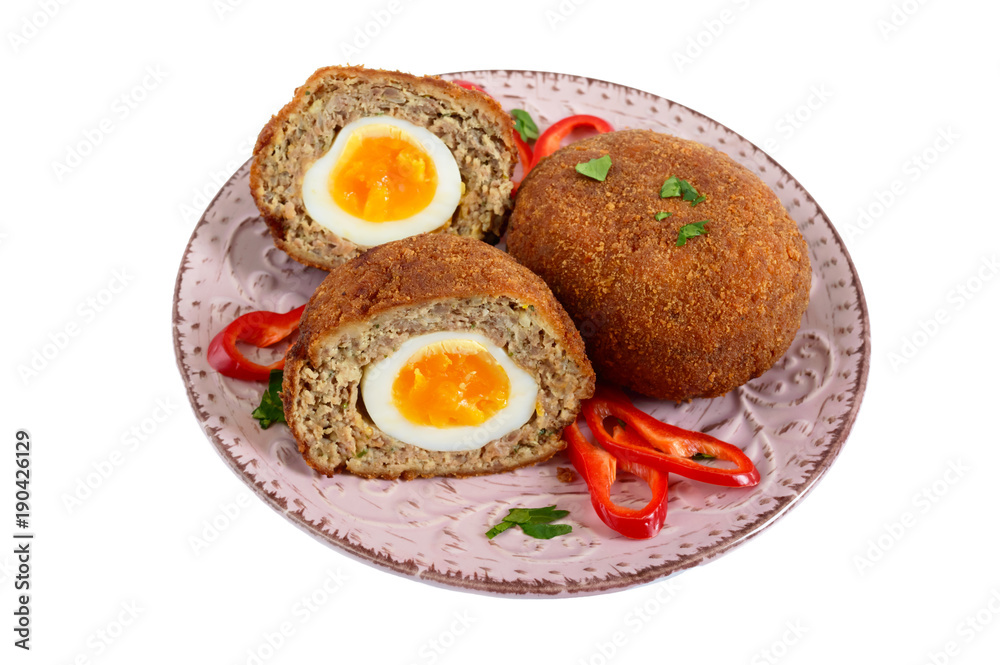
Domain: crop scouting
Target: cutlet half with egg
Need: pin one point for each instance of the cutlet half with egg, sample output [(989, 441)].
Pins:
[(360, 157), (435, 355)]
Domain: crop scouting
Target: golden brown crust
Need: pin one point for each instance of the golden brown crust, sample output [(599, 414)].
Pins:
[(475, 102), (670, 322), (469, 98), (422, 269)]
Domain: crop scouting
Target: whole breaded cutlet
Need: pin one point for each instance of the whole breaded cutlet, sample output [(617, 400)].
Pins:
[(672, 322)]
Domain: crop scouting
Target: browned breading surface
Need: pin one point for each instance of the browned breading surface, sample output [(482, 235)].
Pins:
[(472, 124), (670, 322), (367, 307)]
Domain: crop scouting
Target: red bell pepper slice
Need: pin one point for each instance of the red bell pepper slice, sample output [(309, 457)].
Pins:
[(259, 329), (599, 468), (524, 156), (646, 440), (552, 138)]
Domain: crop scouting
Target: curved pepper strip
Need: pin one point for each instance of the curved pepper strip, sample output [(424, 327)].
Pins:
[(599, 468), (524, 156), (646, 440), (552, 138), (259, 329)]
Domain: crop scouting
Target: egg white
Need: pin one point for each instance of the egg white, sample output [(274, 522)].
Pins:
[(376, 393), (324, 209)]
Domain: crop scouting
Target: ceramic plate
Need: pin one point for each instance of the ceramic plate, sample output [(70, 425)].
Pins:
[(792, 421)]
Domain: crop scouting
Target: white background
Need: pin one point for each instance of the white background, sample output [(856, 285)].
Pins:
[(845, 576)]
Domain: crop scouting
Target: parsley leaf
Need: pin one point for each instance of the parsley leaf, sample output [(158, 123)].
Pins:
[(498, 529), (545, 518), (546, 531), (674, 186), (595, 168), (518, 515), (660, 216), (534, 522), (524, 125), (671, 187), (690, 231), (271, 409)]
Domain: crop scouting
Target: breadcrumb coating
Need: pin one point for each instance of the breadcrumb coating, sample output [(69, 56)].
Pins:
[(669, 322)]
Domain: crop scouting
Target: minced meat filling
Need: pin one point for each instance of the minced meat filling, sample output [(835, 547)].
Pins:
[(342, 435), (484, 163)]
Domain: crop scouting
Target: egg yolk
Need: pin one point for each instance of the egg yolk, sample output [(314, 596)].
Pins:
[(454, 383), (383, 178)]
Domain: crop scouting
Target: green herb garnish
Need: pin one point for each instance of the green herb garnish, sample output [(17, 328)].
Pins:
[(702, 456), (271, 409), (545, 531), (498, 529), (535, 522), (674, 186), (595, 168), (660, 216), (690, 231), (524, 125)]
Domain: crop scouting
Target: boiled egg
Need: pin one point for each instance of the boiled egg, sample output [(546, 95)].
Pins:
[(448, 391), (383, 179)]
